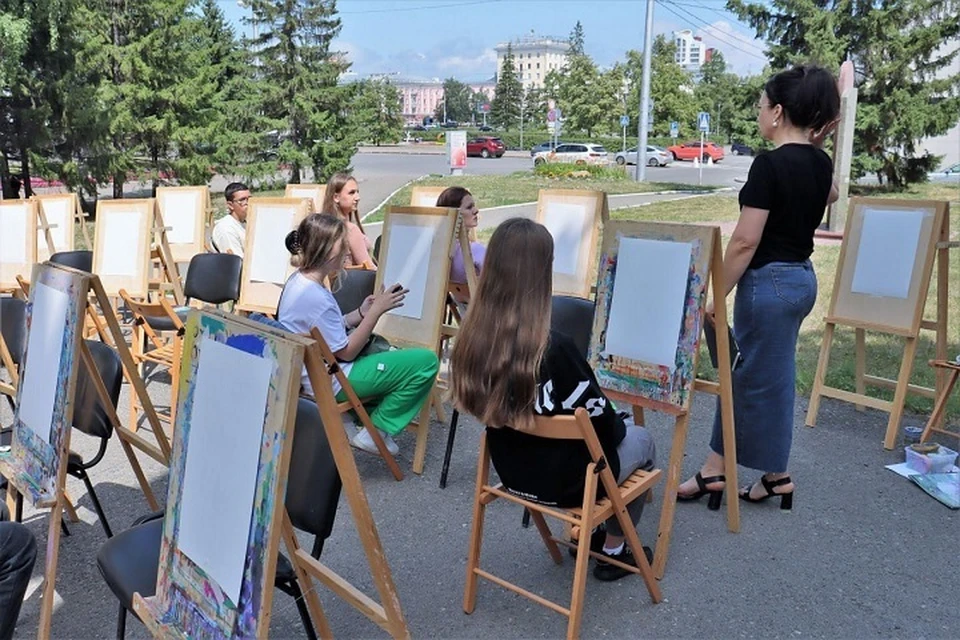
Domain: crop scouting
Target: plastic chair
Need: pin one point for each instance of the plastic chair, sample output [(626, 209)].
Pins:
[(129, 561), (81, 260), (213, 278), (91, 418), (354, 288), (582, 519)]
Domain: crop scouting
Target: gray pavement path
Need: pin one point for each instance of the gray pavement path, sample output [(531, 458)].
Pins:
[(864, 554)]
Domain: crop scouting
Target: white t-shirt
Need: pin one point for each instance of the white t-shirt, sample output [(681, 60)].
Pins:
[(229, 234), (305, 304)]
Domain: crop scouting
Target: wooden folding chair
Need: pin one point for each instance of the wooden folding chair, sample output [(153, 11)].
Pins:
[(150, 318), (353, 403), (581, 520), (940, 406)]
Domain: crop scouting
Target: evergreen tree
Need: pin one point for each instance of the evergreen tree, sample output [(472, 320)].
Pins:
[(459, 100), (505, 108), (576, 41), (907, 91), (298, 89), (376, 111)]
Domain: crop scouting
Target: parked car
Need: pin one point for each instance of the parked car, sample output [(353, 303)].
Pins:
[(948, 174), (418, 127), (549, 145), (575, 153), (656, 156), (485, 147), (691, 150), (740, 149), (486, 127), (450, 124)]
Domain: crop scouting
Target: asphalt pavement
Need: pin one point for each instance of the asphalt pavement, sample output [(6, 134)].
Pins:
[(864, 554)]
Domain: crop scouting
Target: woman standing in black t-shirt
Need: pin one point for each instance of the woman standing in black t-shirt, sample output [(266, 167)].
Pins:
[(768, 261)]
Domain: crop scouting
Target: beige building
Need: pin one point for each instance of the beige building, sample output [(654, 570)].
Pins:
[(534, 57)]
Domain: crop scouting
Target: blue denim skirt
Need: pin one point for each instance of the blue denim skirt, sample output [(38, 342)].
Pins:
[(770, 304)]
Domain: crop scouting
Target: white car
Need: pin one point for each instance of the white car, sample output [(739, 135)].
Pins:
[(947, 174), (574, 153), (656, 157)]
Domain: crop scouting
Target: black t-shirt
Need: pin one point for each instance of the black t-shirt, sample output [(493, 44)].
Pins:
[(549, 471), (793, 183)]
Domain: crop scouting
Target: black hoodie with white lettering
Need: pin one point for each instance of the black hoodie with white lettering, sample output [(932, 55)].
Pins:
[(549, 471)]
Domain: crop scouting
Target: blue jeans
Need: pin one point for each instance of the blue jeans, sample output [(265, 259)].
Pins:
[(18, 552), (770, 305)]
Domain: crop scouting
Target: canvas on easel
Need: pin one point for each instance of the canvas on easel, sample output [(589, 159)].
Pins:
[(18, 241), (121, 248), (644, 348), (266, 261), (60, 213), (36, 466), (184, 212), (312, 192), (422, 196), (574, 218), (416, 252), (227, 480), (881, 285)]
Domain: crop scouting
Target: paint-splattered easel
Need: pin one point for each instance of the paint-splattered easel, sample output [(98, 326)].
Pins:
[(644, 385)]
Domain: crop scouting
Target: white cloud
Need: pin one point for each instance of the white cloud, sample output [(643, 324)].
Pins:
[(485, 62), (742, 51)]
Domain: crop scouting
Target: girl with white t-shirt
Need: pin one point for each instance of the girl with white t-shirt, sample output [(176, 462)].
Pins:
[(398, 381)]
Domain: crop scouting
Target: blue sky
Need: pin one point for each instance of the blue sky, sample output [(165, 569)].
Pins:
[(444, 38)]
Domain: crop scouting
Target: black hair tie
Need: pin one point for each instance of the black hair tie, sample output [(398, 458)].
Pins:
[(292, 241)]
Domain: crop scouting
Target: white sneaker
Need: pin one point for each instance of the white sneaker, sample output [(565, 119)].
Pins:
[(365, 442)]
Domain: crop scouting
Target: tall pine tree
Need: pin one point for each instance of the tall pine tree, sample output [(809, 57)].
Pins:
[(906, 91), (376, 112), (297, 88), (505, 108)]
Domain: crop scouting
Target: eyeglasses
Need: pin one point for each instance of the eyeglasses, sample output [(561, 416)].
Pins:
[(241, 201)]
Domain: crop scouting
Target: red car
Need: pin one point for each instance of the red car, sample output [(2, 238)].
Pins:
[(485, 147), (692, 150)]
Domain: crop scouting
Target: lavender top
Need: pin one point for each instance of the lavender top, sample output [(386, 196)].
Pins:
[(458, 272)]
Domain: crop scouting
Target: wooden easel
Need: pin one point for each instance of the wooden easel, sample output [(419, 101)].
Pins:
[(579, 215), (37, 468), (75, 216), (313, 193), (186, 211), (424, 196), (277, 217), (170, 274), (675, 400), (14, 215), (429, 330), (891, 315)]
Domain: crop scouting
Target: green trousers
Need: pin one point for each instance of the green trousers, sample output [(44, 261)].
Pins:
[(393, 385)]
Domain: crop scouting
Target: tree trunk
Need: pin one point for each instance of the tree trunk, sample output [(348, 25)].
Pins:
[(295, 172), (25, 171), (118, 180), (5, 176)]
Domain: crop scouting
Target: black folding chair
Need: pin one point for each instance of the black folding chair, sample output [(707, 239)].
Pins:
[(354, 288), (130, 560), (81, 260)]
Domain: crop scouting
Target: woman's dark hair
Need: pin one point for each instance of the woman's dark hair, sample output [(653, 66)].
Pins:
[(808, 95), (452, 197)]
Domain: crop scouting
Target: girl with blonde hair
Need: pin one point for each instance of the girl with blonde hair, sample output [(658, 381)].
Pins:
[(398, 381), (341, 198), (508, 366)]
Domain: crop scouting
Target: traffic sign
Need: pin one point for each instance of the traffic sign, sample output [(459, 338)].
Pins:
[(552, 115), (703, 122), (624, 121), (674, 129)]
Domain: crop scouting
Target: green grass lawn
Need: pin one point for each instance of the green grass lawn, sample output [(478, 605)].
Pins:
[(523, 186)]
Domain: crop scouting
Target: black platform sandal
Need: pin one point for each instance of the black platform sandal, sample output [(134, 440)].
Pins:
[(786, 499), (716, 495)]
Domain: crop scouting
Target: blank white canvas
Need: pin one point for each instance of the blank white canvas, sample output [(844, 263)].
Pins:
[(426, 200), (223, 458), (120, 246), (649, 293), (13, 233), (270, 256), (59, 215), (41, 368), (310, 194), (408, 262), (889, 242), (180, 211), (566, 223)]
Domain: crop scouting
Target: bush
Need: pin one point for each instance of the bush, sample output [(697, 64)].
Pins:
[(568, 170)]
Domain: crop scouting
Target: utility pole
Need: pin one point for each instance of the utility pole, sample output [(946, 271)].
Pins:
[(642, 126)]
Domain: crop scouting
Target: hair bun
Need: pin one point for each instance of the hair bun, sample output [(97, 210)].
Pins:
[(292, 241)]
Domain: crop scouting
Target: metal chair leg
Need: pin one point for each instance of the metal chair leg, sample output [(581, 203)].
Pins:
[(122, 623), (525, 523), (446, 456), (96, 504), (297, 594)]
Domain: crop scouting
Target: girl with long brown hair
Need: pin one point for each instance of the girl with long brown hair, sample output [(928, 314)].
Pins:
[(508, 366), (397, 381), (341, 198), (462, 200)]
